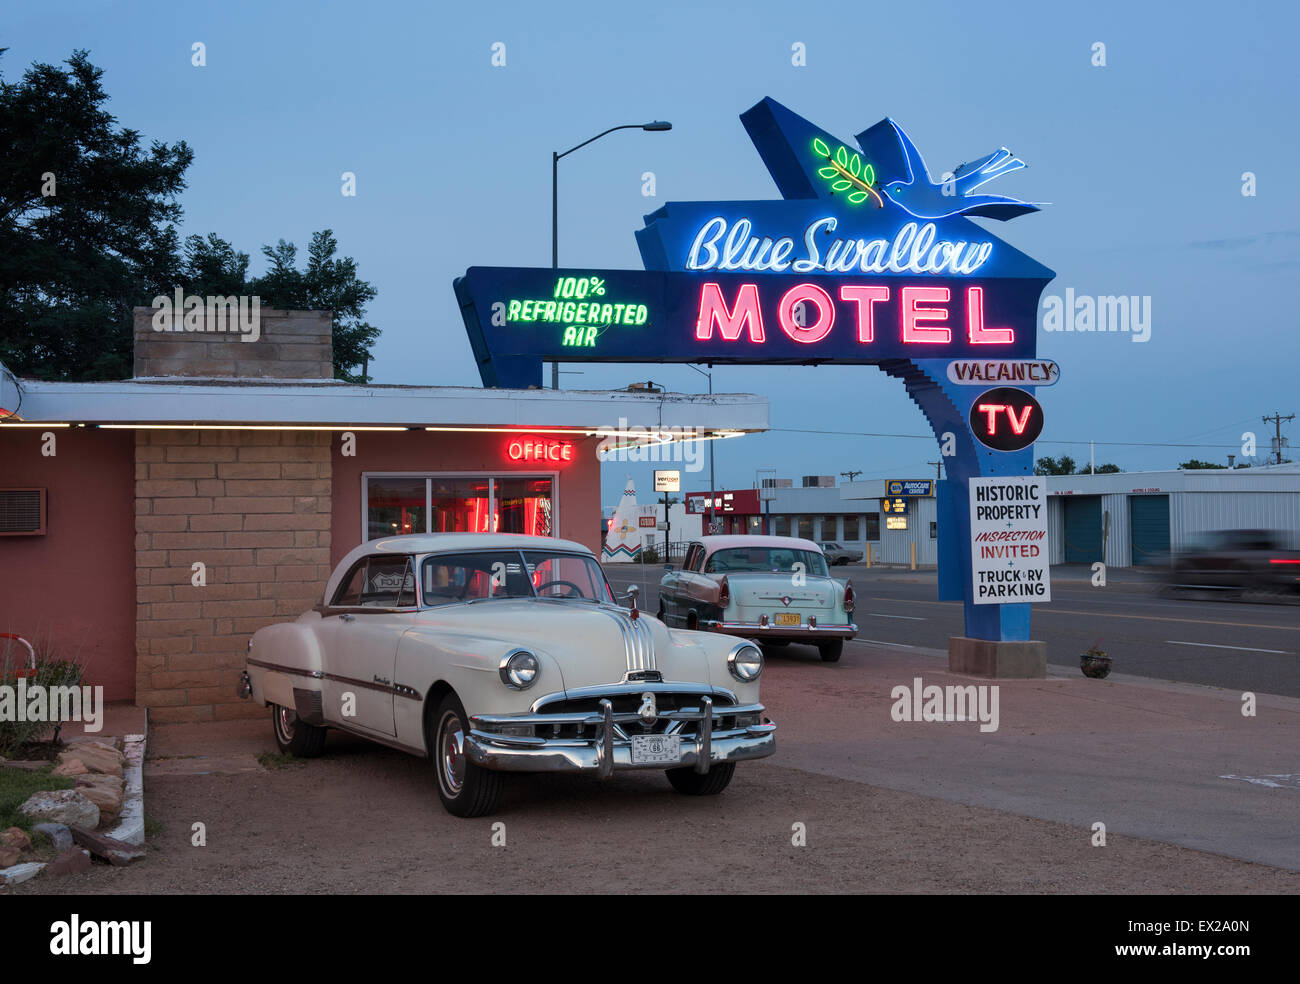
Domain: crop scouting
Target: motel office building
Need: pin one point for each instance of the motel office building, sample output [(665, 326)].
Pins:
[(149, 526)]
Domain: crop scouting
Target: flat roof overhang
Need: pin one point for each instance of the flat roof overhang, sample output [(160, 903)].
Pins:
[(332, 405)]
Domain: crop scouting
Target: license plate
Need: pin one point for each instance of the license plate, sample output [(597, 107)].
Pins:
[(787, 618), (656, 749)]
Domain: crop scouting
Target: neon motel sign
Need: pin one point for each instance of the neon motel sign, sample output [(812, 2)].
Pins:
[(868, 257)]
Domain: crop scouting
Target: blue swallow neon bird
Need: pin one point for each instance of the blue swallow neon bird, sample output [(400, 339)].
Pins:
[(918, 194)]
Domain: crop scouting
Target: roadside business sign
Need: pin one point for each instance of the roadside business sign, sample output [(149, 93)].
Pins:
[(1008, 522), (668, 481), (895, 505), (914, 487), (868, 258)]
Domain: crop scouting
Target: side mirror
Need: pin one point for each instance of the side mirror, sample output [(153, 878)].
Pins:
[(632, 592)]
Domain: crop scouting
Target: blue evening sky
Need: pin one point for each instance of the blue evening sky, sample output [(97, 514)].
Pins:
[(1142, 160)]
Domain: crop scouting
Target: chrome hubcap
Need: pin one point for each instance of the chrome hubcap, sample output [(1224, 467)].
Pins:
[(452, 745), (285, 719)]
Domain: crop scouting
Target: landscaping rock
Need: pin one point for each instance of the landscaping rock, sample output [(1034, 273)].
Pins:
[(113, 851), (70, 862), (105, 792), (15, 837), (20, 873), (96, 756), (9, 856), (69, 767), (109, 741), (58, 834), (67, 806)]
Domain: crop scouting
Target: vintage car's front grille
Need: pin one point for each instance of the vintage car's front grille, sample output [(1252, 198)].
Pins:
[(630, 703)]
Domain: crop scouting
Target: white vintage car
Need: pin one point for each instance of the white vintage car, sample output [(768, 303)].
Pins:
[(771, 589), (494, 653)]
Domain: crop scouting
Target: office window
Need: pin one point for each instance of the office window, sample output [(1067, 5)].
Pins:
[(851, 528), (805, 528), (830, 528), (397, 504), (780, 525)]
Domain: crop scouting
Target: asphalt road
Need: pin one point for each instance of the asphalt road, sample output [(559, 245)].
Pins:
[(1197, 638)]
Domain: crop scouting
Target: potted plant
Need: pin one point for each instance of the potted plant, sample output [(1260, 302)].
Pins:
[(1094, 662)]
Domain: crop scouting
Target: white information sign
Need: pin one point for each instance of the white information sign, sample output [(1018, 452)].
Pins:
[(668, 481), (1008, 525)]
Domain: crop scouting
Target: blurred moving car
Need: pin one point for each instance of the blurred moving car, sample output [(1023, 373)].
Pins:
[(1236, 561), (772, 589), (837, 554)]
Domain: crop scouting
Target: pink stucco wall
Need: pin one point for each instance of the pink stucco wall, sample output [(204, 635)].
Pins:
[(73, 589)]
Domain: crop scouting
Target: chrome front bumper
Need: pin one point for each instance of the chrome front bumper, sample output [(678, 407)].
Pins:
[(612, 747), (805, 633)]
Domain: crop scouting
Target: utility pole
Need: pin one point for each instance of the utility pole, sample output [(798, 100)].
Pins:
[(1277, 419), (850, 475), (938, 470), (668, 526)]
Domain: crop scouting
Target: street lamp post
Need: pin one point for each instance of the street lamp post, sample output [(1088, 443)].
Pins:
[(712, 492), (555, 202)]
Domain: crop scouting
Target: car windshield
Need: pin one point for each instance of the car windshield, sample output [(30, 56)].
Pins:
[(779, 559), (450, 578)]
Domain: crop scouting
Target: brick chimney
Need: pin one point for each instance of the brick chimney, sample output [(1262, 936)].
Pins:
[(221, 339)]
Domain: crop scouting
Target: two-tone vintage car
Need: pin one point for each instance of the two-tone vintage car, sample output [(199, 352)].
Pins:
[(495, 653), (771, 589)]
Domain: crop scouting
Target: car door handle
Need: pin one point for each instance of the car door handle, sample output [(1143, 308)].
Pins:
[(346, 618)]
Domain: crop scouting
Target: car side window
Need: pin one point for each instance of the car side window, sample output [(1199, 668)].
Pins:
[(348, 594), (693, 562), (389, 583)]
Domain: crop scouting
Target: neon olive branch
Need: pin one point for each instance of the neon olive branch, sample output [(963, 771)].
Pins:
[(845, 172)]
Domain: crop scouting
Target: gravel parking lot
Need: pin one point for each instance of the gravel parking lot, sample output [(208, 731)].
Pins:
[(367, 819)]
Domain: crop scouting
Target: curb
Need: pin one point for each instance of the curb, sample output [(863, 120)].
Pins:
[(130, 822)]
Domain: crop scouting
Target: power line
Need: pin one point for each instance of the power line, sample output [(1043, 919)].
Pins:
[(930, 437)]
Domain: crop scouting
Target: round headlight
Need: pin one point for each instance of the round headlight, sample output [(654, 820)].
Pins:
[(519, 669), (745, 662)]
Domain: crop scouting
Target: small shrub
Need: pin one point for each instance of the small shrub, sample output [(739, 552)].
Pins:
[(49, 672)]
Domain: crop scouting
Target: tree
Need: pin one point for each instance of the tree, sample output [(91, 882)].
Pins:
[(1053, 466), (328, 284), (1197, 465), (86, 224), (211, 266), (1106, 469), (87, 233)]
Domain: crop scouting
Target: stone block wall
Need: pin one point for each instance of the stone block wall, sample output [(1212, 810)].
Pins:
[(288, 345), (254, 508)]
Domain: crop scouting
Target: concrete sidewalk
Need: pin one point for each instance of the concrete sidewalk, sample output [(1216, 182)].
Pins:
[(1146, 758)]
